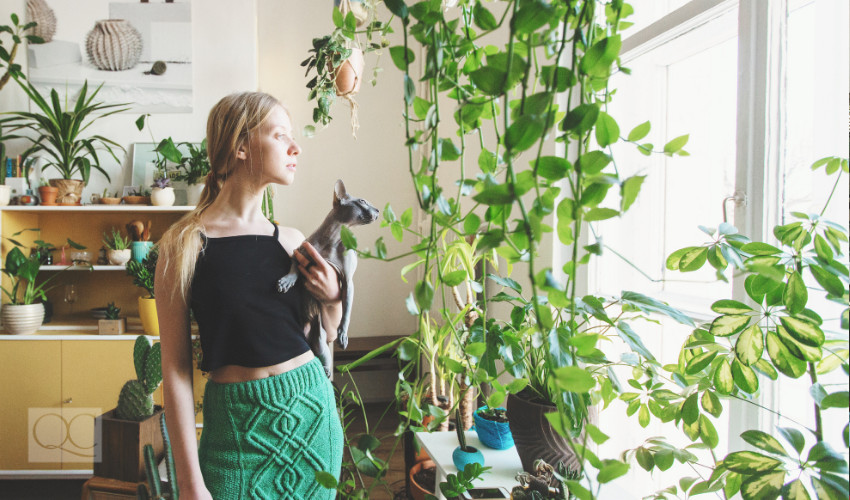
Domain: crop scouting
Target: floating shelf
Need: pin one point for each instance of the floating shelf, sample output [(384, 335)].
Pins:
[(96, 208)]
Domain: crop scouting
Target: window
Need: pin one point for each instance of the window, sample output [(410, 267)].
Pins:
[(761, 88)]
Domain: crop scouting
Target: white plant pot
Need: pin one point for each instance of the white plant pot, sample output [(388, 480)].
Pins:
[(5, 195), (22, 319), (162, 197), (118, 257), (193, 193)]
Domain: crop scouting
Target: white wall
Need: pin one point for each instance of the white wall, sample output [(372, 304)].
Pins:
[(225, 43)]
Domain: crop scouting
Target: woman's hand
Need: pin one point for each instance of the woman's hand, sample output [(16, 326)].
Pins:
[(320, 278)]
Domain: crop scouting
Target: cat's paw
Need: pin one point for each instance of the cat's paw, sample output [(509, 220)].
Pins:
[(327, 371), (342, 338), (287, 282)]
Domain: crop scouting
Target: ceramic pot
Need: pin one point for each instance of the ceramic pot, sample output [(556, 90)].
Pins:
[(470, 455), (348, 74), (162, 197), (5, 195), (22, 319), (136, 200), (47, 195), (118, 257), (110, 201), (140, 249), (534, 436), (417, 491), (114, 45), (193, 193), (39, 12), (147, 313), (496, 435), (70, 191)]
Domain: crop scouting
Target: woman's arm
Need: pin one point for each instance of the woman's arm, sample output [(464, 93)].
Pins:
[(178, 394)]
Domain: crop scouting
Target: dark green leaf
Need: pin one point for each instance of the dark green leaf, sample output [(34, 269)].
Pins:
[(829, 281), (397, 54), (326, 479), (397, 7), (484, 19), (707, 432), (581, 118), (794, 437), (782, 358), (506, 282), (795, 491), (531, 16), (424, 294), (699, 362), (803, 331), (836, 400), (644, 459), (690, 409), (523, 133), (553, 168)]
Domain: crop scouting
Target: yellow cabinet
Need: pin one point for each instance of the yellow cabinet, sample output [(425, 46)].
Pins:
[(30, 371)]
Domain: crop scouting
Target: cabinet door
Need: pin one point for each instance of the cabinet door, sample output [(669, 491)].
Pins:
[(93, 372), (31, 426)]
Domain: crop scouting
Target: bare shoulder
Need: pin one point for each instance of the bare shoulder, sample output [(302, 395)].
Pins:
[(290, 238)]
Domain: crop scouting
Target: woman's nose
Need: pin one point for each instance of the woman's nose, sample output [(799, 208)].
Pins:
[(294, 148)]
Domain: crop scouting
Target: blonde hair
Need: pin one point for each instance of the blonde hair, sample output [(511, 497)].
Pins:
[(229, 127)]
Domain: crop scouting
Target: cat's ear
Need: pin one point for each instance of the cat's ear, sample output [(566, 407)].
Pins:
[(339, 192)]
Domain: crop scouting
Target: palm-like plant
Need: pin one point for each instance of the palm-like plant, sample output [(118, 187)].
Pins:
[(60, 131)]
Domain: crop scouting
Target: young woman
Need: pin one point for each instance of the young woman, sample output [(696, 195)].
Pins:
[(270, 418)]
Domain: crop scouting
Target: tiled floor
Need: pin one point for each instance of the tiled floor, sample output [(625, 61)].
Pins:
[(62, 489)]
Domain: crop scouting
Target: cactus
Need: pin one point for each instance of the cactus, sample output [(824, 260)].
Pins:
[(461, 437), (112, 311), (136, 399), (153, 490)]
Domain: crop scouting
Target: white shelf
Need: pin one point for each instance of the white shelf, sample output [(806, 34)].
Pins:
[(96, 208), (54, 267)]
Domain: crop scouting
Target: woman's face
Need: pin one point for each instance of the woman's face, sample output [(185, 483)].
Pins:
[(275, 148)]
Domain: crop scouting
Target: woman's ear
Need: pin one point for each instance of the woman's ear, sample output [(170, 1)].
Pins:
[(241, 153)]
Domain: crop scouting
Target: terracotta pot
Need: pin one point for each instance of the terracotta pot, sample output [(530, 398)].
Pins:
[(136, 200), (47, 194), (110, 201), (70, 191), (534, 436), (349, 73), (418, 492)]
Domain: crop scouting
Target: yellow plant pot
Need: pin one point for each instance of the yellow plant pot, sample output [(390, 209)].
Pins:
[(147, 312)]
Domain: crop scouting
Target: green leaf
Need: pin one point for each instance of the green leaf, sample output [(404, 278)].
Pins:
[(607, 130), (574, 379), (805, 332), (553, 168), (397, 54), (597, 214), (454, 278), (750, 345), (629, 190), (581, 118), (523, 133), (348, 239), (729, 324), (745, 377), (839, 399), (707, 432), (727, 306), (711, 403), (750, 462), (337, 17), (764, 441), (639, 132), (644, 459), (506, 282), (782, 358), (759, 248), (424, 294), (397, 7), (599, 57), (595, 434), (489, 80), (795, 491), (612, 469), (676, 144), (326, 479), (796, 295), (762, 487), (830, 282), (673, 260), (693, 259), (690, 409), (140, 122), (766, 369), (822, 248), (531, 16), (409, 90), (499, 194), (484, 19), (699, 362), (593, 162)]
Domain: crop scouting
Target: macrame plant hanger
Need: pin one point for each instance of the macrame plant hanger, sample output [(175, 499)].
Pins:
[(345, 7)]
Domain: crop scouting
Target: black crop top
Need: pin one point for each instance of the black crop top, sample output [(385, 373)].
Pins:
[(242, 319)]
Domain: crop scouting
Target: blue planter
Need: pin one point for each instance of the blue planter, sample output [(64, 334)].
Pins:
[(461, 458), (139, 250), (496, 435)]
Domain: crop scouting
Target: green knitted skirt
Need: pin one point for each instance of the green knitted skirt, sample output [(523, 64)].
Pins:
[(266, 438)]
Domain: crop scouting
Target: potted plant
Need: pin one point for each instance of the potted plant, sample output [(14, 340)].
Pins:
[(23, 314), (109, 199), (63, 142), (491, 425), (112, 324), (195, 169), (117, 247), (135, 421), (162, 194), (143, 277), (465, 454), (47, 194), (422, 478), (136, 197)]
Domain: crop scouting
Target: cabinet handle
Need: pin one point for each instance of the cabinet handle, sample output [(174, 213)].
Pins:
[(68, 401)]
